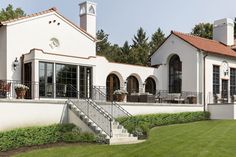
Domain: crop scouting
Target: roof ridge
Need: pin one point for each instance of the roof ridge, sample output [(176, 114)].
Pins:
[(53, 9), (195, 36)]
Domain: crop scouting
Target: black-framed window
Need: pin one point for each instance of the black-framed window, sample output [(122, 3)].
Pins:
[(66, 80), (232, 81), (46, 74), (85, 82), (175, 74), (216, 79)]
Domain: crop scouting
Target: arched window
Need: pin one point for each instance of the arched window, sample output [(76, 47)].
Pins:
[(150, 86), (91, 10), (175, 74), (112, 84), (132, 85)]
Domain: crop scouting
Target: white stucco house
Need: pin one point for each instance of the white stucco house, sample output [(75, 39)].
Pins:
[(68, 82), (47, 52), (204, 66)]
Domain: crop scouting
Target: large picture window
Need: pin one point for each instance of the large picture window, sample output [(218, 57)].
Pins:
[(66, 80), (46, 88), (216, 79), (232, 81), (175, 74)]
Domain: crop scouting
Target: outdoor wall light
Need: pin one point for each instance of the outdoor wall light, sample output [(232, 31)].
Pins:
[(15, 63)]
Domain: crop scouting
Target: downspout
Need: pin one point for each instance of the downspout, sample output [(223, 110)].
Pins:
[(204, 82)]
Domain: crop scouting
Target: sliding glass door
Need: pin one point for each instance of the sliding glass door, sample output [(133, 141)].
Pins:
[(46, 87), (66, 81)]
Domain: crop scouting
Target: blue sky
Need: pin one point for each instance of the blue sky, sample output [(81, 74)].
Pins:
[(121, 18)]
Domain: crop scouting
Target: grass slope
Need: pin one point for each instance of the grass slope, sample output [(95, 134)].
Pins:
[(199, 139)]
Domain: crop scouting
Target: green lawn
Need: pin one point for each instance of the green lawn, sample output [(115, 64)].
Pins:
[(199, 139)]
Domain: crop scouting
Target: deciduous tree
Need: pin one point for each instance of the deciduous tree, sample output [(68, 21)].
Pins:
[(204, 30)]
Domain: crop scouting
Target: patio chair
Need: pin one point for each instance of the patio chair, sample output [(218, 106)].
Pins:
[(219, 99), (158, 98), (233, 98), (178, 98)]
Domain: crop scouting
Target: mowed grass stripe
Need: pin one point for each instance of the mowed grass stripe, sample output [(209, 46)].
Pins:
[(198, 139)]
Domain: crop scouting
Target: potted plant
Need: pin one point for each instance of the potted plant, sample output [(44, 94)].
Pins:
[(20, 91), (120, 94)]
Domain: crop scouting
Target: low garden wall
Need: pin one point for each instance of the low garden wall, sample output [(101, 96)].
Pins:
[(23, 113), (151, 108), (222, 111)]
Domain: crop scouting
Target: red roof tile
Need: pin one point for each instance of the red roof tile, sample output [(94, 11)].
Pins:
[(206, 45)]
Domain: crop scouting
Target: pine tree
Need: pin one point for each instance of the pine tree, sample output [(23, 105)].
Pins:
[(103, 46), (140, 48), (157, 38), (10, 13), (140, 38)]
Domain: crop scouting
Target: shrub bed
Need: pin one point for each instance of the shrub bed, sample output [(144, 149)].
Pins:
[(43, 135), (139, 125)]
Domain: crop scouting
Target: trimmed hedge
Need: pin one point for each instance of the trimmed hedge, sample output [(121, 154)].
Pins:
[(141, 124), (43, 135)]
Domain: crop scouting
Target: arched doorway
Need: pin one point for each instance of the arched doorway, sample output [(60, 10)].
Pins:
[(150, 86), (112, 84), (132, 85), (175, 74)]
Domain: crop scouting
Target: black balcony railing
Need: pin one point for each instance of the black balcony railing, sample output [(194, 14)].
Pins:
[(36, 90), (222, 97), (185, 97), (112, 107)]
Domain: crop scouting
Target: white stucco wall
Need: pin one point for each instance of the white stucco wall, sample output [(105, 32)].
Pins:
[(26, 113), (222, 111), (216, 60), (154, 108), (3, 50), (36, 32), (189, 56), (17, 114), (101, 68)]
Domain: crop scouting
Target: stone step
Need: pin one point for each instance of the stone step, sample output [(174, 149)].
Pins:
[(121, 135), (119, 131), (123, 140)]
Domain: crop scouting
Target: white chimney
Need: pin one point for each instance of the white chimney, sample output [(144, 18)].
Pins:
[(223, 31), (88, 17)]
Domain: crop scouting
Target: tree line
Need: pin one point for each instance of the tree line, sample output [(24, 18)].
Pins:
[(137, 52)]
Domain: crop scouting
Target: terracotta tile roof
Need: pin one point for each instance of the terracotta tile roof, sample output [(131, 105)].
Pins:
[(207, 45), (42, 13), (28, 16)]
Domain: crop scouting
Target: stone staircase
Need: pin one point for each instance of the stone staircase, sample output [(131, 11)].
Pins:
[(120, 135), (101, 122)]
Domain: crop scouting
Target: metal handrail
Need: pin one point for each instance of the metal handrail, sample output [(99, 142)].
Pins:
[(94, 121), (114, 103), (99, 110)]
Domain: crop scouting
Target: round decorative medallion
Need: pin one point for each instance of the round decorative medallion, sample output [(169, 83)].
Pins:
[(54, 42)]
